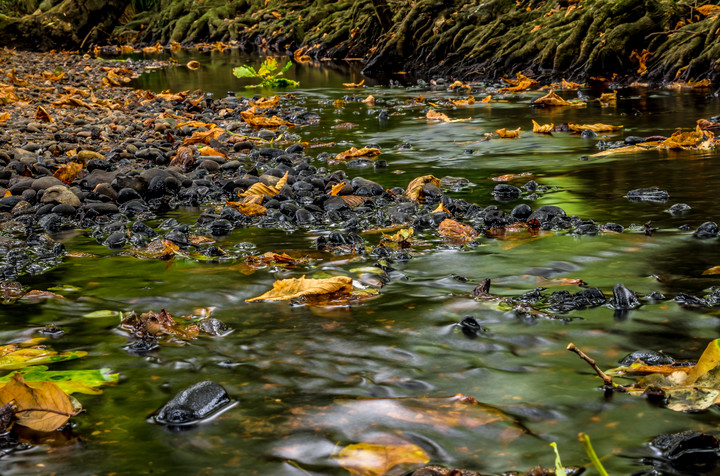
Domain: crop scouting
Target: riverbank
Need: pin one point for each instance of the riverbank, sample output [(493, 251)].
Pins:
[(655, 41)]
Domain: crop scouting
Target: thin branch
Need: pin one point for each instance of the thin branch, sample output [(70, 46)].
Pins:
[(607, 380), (48, 410)]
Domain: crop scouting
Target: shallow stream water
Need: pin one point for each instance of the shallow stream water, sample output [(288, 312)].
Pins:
[(312, 380)]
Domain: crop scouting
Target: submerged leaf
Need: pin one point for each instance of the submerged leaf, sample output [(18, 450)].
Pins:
[(369, 459), (286, 289), (354, 152), (70, 381), (19, 356), (456, 231), (414, 189)]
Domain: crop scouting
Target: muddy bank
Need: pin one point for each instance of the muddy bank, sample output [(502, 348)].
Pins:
[(654, 40)]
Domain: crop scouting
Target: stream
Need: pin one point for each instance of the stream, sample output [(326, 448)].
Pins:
[(310, 380)]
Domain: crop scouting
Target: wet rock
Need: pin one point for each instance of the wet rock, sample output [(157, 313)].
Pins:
[(546, 213), (505, 193), (585, 228), (564, 301), (471, 327), (194, 404), (454, 184), (652, 194), (679, 209), (521, 212), (648, 357), (688, 300), (213, 327), (687, 452), (632, 140), (116, 240), (623, 298), (588, 134), (613, 227), (62, 195), (709, 229)]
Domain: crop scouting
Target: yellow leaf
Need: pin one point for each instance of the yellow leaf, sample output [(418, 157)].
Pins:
[(552, 99), (442, 208), (713, 270), (487, 99), (367, 459), (262, 121), (402, 235), (354, 85), (506, 134), (709, 359), (204, 137), (353, 152), (542, 129), (42, 406), (286, 289), (370, 100), (336, 189), (209, 151), (608, 99), (266, 103), (414, 189), (69, 172), (463, 102), (459, 85), (4, 116), (708, 10), (260, 188), (594, 127)]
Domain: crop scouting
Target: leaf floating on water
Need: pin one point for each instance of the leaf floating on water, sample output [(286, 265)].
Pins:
[(594, 127), (69, 381), (459, 85), (711, 271), (433, 115), (286, 289), (522, 83), (509, 177), (414, 189), (506, 134), (42, 406), (153, 324), (354, 85), (354, 153), (157, 249), (19, 356), (608, 99), (463, 102), (369, 459), (370, 100), (456, 231), (542, 129), (552, 99), (193, 65), (270, 259), (401, 236)]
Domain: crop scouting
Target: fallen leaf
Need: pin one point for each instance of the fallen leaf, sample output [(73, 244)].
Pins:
[(708, 10), (183, 158), (273, 259), (486, 99), (68, 172), (711, 271), (286, 289), (459, 85), (336, 189), (193, 65), (522, 83), (262, 121), (433, 115), (456, 231), (509, 177), (4, 117), (155, 324), (641, 57), (157, 249), (69, 381), (42, 406), (247, 209), (463, 102), (401, 236), (209, 151), (368, 459), (594, 127), (204, 137), (19, 356), (266, 103), (353, 153), (552, 99), (608, 99), (542, 129), (42, 115), (414, 189), (354, 85), (260, 188), (506, 134), (370, 100)]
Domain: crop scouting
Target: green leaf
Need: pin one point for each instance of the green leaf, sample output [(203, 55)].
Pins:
[(70, 381), (245, 72), (709, 359), (268, 66), (17, 356), (285, 68), (65, 288), (102, 314), (559, 469)]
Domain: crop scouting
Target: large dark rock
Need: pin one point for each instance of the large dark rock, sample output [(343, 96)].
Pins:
[(194, 404)]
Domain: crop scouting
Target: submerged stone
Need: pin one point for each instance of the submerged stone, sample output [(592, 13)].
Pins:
[(709, 229), (648, 357), (623, 298), (194, 404), (652, 194)]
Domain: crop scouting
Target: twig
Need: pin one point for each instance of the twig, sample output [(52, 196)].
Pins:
[(607, 380)]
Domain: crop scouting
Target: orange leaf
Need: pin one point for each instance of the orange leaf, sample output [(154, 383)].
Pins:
[(4, 116), (209, 151), (713, 270), (433, 115), (69, 172), (354, 85), (262, 121), (204, 136), (457, 231), (552, 99), (463, 102), (266, 103), (459, 85), (542, 129), (42, 115), (370, 100), (286, 289), (193, 65), (336, 189), (414, 189), (368, 459), (594, 127), (508, 177)]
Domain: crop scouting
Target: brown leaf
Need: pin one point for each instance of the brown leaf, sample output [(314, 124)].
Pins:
[(209, 151), (354, 152), (262, 121), (457, 231), (414, 189), (552, 99), (158, 249), (369, 459), (247, 209), (286, 289), (204, 137), (42, 406), (463, 102), (459, 85), (68, 172), (370, 100), (401, 236), (183, 158), (266, 103), (708, 10), (608, 99), (193, 65), (4, 117), (153, 324), (42, 115), (506, 134), (354, 200), (260, 188), (271, 258), (641, 57), (509, 177)]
